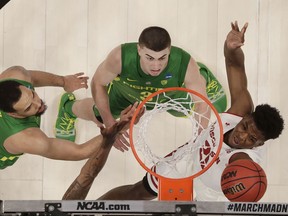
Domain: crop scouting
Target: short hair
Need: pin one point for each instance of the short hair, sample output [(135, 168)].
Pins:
[(9, 95), (268, 120), (155, 38)]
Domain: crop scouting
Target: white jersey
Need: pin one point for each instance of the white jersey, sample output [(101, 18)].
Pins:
[(207, 186)]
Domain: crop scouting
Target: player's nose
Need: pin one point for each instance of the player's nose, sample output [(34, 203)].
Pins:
[(243, 136), (37, 103)]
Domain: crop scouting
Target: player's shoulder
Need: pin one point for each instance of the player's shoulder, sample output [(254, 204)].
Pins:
[(179, 55), (15, 72), (178, 50), (230, 115)]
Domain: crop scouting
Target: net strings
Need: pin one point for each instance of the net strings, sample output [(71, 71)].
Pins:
[(185, 106)]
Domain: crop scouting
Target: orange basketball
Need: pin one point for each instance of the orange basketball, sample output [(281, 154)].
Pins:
[(243, 181)]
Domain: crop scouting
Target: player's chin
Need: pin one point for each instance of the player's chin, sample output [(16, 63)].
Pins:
[(240, 146), (236, 145), (155, 73)]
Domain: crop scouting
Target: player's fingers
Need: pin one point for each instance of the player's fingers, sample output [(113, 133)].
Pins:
[(132, 109), (232, 26), (141, 112), (135, 105), (121, 147), (124, 142), (236, 26), (126, 134), (139, 115), (83, 79), (81, 75), (124, 148), (243, 30), (116, 145), (126, 110), (85, 84)]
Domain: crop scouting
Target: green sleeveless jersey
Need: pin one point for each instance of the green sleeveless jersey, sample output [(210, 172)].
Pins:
[(133, 84), (9, 126)]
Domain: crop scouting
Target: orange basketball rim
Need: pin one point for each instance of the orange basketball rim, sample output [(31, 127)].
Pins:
[(169, 188)]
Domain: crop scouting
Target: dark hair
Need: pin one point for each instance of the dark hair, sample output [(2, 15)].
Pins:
[(9, 95), (268, 120), (155, 38)]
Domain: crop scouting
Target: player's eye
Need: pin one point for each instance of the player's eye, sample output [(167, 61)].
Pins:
[(244, 126), (252, 139)]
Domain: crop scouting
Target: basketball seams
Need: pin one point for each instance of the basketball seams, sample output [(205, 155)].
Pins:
[(262, 184), (243, 166), (245, 177)]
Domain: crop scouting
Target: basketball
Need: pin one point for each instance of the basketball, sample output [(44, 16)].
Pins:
[(243, 181)]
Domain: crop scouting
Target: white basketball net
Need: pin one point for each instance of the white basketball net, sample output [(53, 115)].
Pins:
[(181, 163)]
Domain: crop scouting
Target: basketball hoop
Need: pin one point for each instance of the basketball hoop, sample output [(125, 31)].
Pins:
[(180, 186)]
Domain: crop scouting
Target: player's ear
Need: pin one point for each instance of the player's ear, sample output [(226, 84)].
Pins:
[(138, 49)]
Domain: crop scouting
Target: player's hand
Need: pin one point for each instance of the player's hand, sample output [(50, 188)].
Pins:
[(110, 133), (129, 112), (74, 82), (235, 37), (121, 142)]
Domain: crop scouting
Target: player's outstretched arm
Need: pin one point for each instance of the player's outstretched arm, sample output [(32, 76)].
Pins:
[(195, 81), (35, 141), (105, 73), (82, 184), (69, 83), (241, 102), (38, 78)]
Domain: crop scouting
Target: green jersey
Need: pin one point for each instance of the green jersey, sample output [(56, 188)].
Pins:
[(133, 84), (10, 126)]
